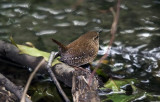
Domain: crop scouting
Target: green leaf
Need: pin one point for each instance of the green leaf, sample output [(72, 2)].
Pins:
[(37, 53), (32, 51), (119, 95), (46, 91), (116, 84)]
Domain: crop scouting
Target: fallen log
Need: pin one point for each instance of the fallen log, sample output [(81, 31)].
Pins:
[(81, 92)]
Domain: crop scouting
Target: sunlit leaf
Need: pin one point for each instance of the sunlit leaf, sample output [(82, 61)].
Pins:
[(113, 85), (32, 51), (37, 53), (119, 95), (116, 84)]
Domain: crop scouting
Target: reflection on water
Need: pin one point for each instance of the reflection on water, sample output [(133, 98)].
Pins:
[(137, 42), (44, 32)]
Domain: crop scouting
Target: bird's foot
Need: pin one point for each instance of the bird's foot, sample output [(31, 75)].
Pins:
[(80, 68)]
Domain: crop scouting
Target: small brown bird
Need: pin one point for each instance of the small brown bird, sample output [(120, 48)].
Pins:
[(81, 51)]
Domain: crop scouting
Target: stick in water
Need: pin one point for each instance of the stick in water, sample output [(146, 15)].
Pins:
[(30, 79), (113, 31)]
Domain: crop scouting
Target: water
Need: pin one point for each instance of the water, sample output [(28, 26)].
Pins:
[(136, 49)]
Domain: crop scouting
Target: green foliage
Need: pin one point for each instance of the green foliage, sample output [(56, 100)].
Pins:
[(118, 94), (44, 91), (35, 52), (32, 51), (116, 84)]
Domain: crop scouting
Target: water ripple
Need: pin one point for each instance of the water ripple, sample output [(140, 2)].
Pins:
[(157, 74), (60, 17), (37, 16), (147, 28), (127, 31), (79, 23), (68, 10), (10, 5), (124, 7), (18, 10), (7, 14), (62, 24), (51, 11), (46, 32), (144, 35)]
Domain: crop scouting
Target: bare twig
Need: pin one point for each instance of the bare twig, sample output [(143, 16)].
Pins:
[(30, 79), (113, 31), (53, 77), (12, 87)]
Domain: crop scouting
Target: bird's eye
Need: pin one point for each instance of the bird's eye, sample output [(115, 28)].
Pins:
[(97, 37)]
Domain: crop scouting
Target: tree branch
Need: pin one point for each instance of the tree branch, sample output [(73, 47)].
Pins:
[(53, 77), (30, 79), (113, 31), (12, 87)]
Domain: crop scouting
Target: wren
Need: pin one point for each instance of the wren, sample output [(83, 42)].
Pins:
[(81, 51)]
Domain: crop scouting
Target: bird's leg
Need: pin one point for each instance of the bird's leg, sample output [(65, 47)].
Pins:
[(87, 67), (80, 68)]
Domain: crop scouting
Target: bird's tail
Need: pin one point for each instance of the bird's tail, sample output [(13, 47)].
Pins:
[(63, 47)]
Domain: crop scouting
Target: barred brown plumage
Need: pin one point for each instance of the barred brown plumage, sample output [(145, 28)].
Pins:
[(81, 51)]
